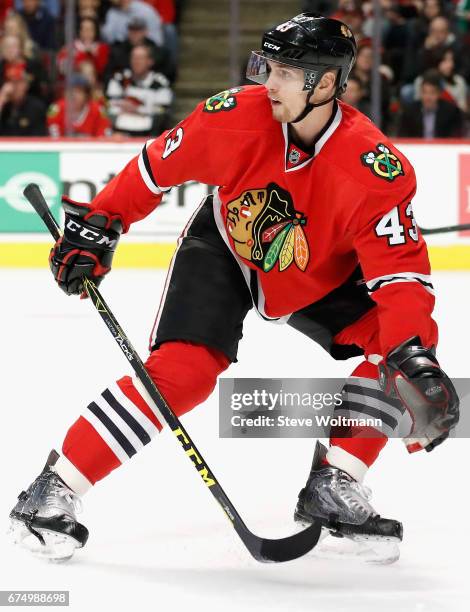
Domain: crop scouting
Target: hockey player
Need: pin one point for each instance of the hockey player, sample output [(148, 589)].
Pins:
[(311, 224)]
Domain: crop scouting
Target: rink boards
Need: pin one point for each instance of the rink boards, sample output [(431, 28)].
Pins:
[(81, 169)]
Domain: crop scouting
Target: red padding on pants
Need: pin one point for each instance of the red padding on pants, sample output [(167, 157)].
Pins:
[(185, 373)]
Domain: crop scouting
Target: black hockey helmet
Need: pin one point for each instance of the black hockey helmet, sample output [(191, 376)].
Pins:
[(311, 42)]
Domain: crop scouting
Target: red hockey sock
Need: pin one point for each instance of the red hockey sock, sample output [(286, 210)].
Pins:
[(121, 421)]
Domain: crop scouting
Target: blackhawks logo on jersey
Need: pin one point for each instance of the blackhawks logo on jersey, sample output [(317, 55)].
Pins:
[(383, 163), (223, 101), (266, 229)]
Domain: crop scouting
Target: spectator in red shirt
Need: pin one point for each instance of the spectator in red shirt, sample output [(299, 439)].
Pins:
[(88, 117), (87, 47)]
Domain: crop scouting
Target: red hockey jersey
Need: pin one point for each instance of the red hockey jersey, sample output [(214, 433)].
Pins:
[(92, 122), (303, 219)]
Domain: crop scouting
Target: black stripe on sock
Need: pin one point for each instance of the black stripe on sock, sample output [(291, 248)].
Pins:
[(113, 430), (126, 416), (376, 394)]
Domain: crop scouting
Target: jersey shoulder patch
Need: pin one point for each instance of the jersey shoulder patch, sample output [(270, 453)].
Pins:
[(383, 163), (223, 101), (241, 109)]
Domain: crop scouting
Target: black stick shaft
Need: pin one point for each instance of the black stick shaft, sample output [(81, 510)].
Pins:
[(446, 229)]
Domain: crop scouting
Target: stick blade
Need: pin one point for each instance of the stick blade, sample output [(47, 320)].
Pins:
[(284, 549), (34, 196)]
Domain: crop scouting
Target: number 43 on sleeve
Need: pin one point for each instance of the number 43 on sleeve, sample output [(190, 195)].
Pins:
[(391, 226)]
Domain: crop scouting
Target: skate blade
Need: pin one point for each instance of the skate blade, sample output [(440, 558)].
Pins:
[(57, 548), (375, 550)]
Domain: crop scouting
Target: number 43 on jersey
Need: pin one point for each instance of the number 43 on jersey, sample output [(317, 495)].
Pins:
[(391, 226)]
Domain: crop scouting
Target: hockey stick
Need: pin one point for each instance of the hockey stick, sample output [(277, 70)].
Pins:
[(445, 229), (262, 549)]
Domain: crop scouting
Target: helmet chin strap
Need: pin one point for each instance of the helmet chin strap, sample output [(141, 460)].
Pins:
[(310, 106)]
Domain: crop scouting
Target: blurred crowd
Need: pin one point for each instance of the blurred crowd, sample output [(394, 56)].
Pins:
[(123, 64), (424, 63), (119, 72)]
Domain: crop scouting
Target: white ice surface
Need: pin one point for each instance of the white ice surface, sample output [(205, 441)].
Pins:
[(158, 541)]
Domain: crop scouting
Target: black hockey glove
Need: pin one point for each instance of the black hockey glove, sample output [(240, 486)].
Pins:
[(86, 248), (412, 373)]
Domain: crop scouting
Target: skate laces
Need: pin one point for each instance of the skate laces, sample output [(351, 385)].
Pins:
[(356, 496), (348, 483), (72, 498), (61, 490), (363, 490)]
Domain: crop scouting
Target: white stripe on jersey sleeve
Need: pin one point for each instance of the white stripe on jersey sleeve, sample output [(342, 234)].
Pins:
[(401, 277), (146, 177)]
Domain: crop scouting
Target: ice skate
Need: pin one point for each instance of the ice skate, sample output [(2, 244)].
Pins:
[(342, 505), (44, 518)]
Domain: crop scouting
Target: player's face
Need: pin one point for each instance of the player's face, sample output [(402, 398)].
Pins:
[(285, 91), (241, 216)]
